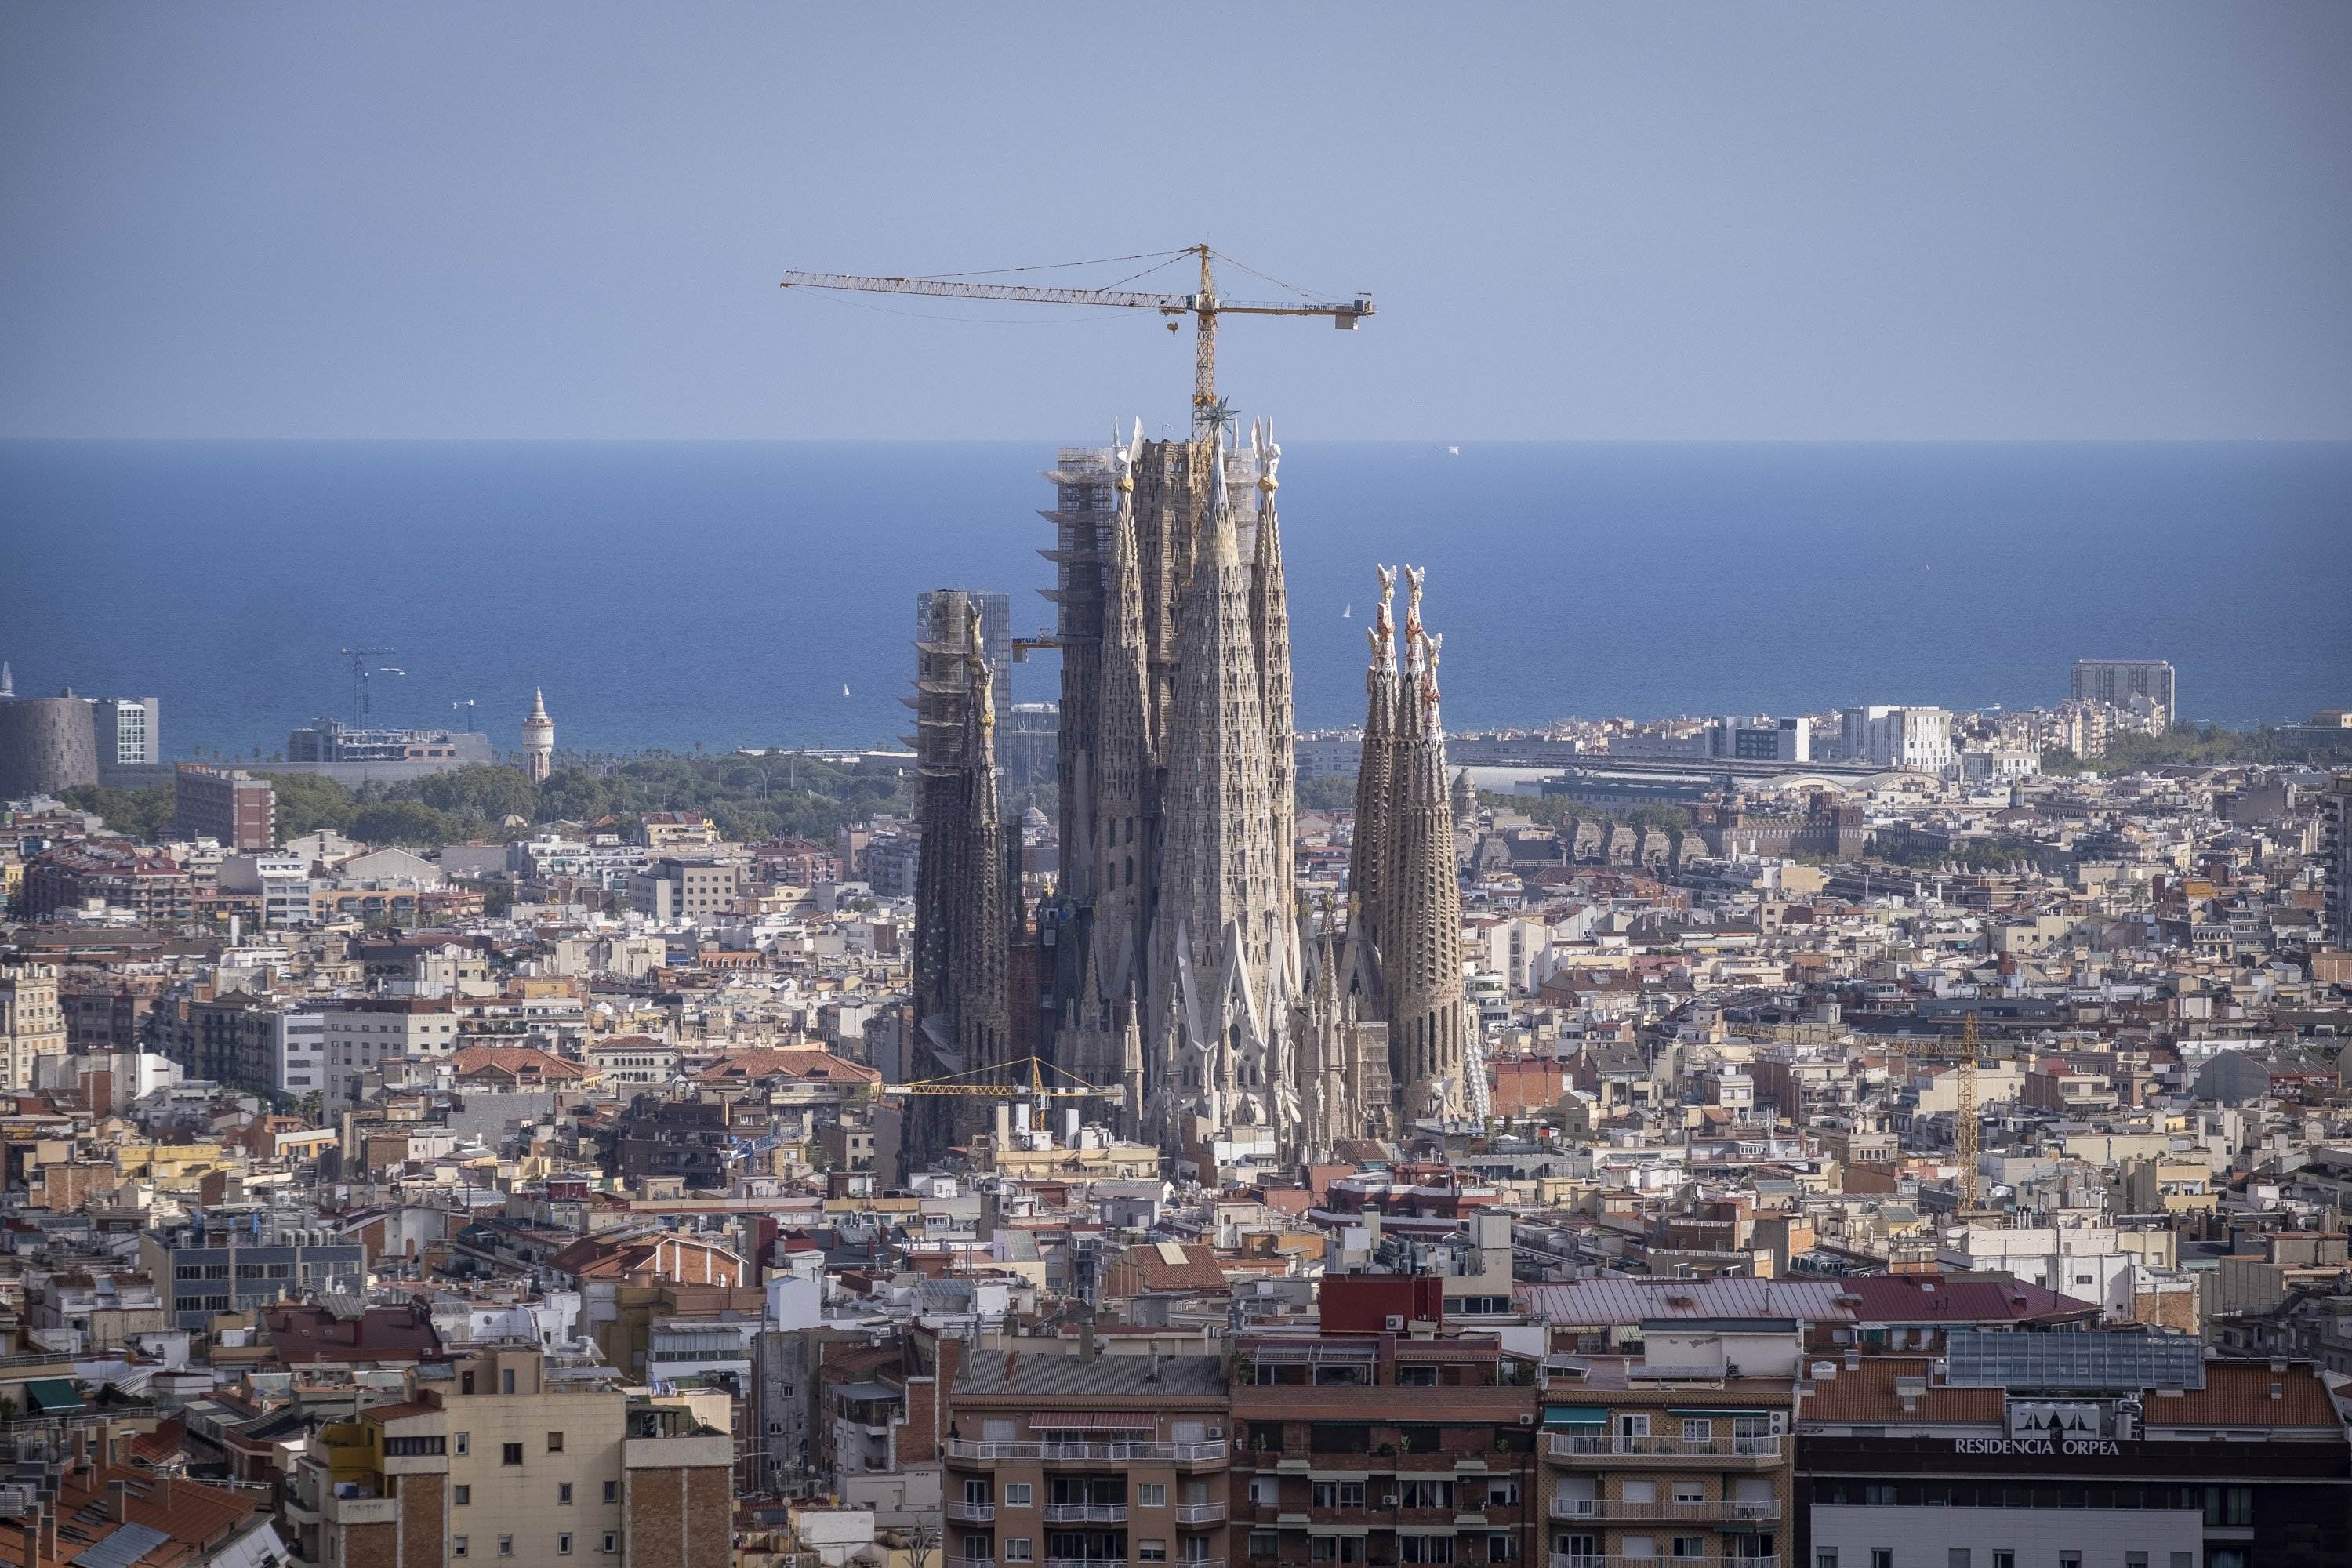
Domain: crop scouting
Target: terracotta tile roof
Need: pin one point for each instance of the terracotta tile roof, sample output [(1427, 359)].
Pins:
[(1866, 1394), (298, 1335), (1942, 1298), (401, 1412), (165, 1442), (514, 1061), (192, 1519), (2239, 1394), (742, 1066), (1163, 1266)]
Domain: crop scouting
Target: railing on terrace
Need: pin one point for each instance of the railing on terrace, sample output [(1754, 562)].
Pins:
[(1025, 1449), (1085, 1513), (1199, 1512), (972, 1512), (1606, 1445), (1664, 1509)]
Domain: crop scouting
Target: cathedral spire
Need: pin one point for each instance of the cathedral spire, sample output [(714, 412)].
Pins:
[(1121, 846), (1270, 632), (1218, 927), (1424, 956), (984, 1017), (1368, 854)]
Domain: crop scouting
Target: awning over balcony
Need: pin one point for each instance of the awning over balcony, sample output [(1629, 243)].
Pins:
[(1091, 1421), (1575, 1415)]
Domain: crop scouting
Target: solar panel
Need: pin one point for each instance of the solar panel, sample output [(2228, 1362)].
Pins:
[(1999, 1358), (123, 1546)]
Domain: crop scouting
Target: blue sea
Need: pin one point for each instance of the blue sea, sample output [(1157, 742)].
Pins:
[(723, 594)]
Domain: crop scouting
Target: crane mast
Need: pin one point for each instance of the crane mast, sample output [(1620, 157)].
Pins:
[(1204, 305), (1964, 1131)]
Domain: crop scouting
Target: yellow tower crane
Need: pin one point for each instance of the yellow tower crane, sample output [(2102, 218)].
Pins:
[(1005, 1081), (1204, 305)]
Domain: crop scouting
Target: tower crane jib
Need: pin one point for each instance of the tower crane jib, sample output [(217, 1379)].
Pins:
[(1204, 305)]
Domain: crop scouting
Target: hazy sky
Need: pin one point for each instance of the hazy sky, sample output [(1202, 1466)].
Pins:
[(1866, 220)]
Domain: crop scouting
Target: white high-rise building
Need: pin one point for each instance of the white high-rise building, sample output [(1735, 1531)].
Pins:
[(128, 729), (1919, 739)]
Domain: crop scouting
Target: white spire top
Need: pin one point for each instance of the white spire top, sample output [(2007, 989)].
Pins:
[(8, 680)]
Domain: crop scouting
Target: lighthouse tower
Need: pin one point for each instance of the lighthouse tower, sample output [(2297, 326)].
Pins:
[(538, 740)]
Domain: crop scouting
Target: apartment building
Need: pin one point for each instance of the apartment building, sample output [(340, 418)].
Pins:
[(510, 1455), (32, 1023), (236, 1260), (1071, 1460), (634, 1060), (2046, 1451), (1386, 1446), (361, 1033), (1681, 1452), (2116, 682), (686, 888), (280, 882), (228, 806), (1919, 739), (1764, 739), (2335, 855)]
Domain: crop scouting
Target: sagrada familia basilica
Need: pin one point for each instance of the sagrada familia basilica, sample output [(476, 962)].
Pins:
[(1175, 964)]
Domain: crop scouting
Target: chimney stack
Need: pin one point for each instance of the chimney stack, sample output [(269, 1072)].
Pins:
[(116, 1498)]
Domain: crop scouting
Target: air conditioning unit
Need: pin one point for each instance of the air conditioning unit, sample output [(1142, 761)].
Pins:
[(1526, 1419), (1394, 1323), (1391, 1501)]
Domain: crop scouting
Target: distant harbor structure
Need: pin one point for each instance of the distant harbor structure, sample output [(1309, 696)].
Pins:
[(538, 739), (332, 749)]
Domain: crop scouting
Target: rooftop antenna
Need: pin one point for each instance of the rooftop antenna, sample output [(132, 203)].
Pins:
[(359, 655)]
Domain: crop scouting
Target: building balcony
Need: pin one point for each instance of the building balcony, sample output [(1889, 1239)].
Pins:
[(968, 1562), (1302, 1461), (1086, 1563), (972, 1512), (986, 1451), (1664, 1511), (1574, 1560), (1199, 1512), (1615, 1451), (1085, 1513)]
